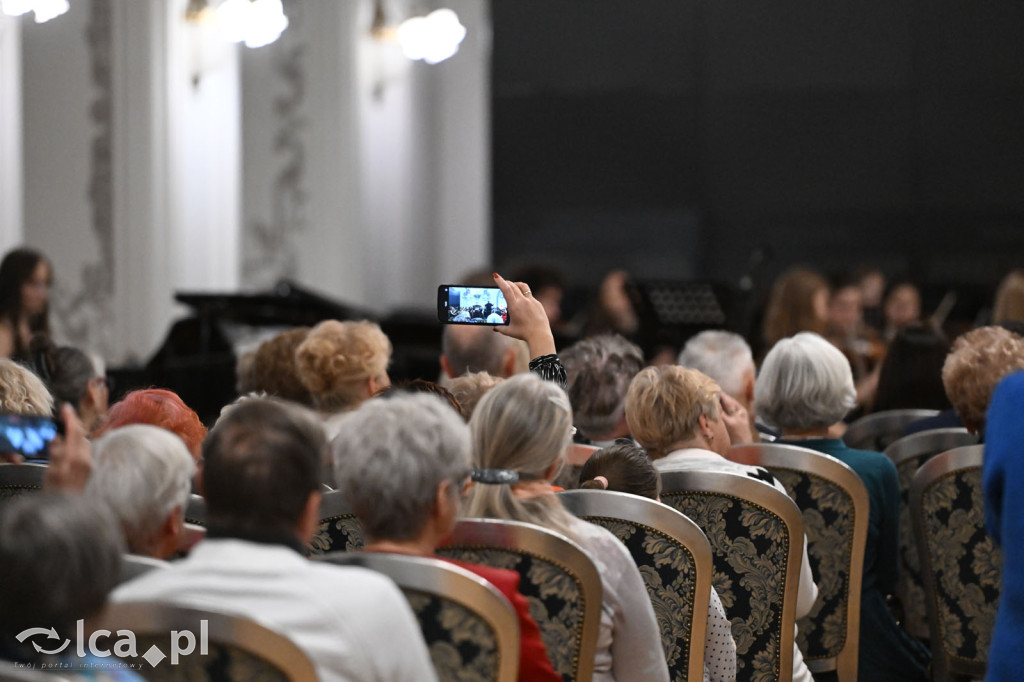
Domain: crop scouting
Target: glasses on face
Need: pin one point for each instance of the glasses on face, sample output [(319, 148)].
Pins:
[(105, 381)]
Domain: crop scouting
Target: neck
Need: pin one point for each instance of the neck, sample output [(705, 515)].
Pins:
[(693, 443), (422, 545), (535, 488)]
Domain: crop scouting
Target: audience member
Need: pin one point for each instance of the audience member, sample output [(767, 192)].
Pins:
[(872, 290), (685, 422), (911, 373), (144, 474), (974, 367), (726, 358), (806, 386), (61, 557), (261, 478), (523, 427), (343, 364), (529, 323), (621, 467), (1009, 303), (798, 302), (403, 464), (1003, 482), (599, 370), (420, 386), (465, 348), (25, 280), (73, 378), (21, 391), (274, 368), (847, 331), (469, 388), (159, 407)]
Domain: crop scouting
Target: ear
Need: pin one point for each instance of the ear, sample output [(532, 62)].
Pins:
[(198, 478), (171, 531), (703, 423), (446, 367), (310, 518), (445, 509), (748, 389), (508, 365)]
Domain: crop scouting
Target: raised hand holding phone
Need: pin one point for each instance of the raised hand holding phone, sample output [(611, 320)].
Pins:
[(527, 319)]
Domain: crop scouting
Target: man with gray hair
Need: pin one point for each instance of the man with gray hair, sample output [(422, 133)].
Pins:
[(726, 358), (144, 475), (465, 348), (261, 473), (402, 462), (599, 369)]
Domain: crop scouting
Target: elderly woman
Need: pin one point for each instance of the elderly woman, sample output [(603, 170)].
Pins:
[(978, 361), (402, 462), (524, 426), (159, 407), (806, 386), (686, 423), (343, 364), (144, 475), (599, 369)]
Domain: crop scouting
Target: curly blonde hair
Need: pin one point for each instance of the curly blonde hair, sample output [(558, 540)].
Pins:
[(469, 388), (664, 406), (337, 358), (978, 361), (21, 391)]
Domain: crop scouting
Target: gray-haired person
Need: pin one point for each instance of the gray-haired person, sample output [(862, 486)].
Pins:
[(144, 474), (599, 369)]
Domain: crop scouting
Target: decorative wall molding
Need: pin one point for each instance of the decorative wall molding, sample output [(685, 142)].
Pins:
[(83, 310), (269, 245)]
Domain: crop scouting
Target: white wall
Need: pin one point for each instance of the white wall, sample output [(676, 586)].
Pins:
[(12, 199)]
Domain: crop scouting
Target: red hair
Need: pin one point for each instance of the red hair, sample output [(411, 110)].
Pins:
[(158, 407)]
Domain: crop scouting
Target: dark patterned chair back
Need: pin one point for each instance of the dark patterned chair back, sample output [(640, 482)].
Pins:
[(756, 538), (135, 565), (835, 510), (471, 629), (960, 561), (674, 559), (558, 579), (195, 510), (20, 479), (908, 454), (876, 431), (339, 529), (238, 648)]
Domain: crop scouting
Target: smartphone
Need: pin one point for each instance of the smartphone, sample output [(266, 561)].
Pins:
[(27, 435), (483, 306)]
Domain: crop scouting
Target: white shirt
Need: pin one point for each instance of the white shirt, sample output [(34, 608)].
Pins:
[(353, 623), (698, 459)]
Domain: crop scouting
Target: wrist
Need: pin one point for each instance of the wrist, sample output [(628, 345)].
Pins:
[(541, 344)]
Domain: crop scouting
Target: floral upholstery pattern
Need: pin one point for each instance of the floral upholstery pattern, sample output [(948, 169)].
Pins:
[(828, 517), (555, 597), (668, 569), (750, 551), (222, 663), (965, 563), (911, 582), (341, 533), (462, 645)]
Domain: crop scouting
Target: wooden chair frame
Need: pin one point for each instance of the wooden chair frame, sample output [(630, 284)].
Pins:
[(777, 457), (676, 484), (931, 472), (662, 520), (145, 618), (547, 545), (889, 424), (441, 579), (912, 451)]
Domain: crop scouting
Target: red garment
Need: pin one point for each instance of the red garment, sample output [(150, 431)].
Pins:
[(534, 665)]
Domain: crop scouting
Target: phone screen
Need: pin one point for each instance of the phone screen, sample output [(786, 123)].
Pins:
[(471, 305), (27, 435)]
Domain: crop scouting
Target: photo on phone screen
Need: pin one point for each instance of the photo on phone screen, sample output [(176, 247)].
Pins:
[(27, 435), (471, 305)]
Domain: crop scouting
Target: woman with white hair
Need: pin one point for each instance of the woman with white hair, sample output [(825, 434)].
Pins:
[(805, 386), (522, 429), (144, 475)]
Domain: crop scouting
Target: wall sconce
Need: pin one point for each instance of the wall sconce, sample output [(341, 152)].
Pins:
[(44, 9), (254, 22), (432, 38)]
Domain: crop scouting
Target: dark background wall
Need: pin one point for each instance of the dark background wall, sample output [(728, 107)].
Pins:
[(677, 137)]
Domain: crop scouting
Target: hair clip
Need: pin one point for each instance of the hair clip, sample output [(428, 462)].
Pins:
[(495, 476)]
